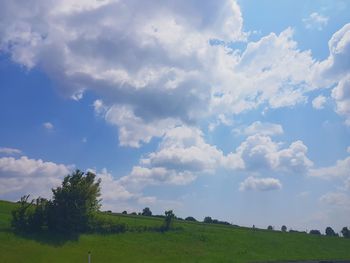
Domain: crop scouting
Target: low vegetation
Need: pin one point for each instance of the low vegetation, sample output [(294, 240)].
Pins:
[(27, 233)]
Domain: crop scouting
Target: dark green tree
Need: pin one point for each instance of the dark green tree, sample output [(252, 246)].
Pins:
[(330, 232), (208, 220), (284, 228), (270, 228), (146, 212), (345, 232), (20, 216), (74, 202), (190, 218), (315, 232), (168, 219)]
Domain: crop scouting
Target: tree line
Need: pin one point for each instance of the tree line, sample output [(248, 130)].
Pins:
[(74, 208), (75, 205)]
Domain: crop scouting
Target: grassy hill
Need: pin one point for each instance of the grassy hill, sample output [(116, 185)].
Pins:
[(193, 242)]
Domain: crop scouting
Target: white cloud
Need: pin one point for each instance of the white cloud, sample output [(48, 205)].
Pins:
[(315, 21), (336, 199), (263, 128), (112, 190), (260, 184), (133, 129), (259, 153), (9, 151), (340, 170), (29, 176), (48, 125), (341, 95), (337, 65), (319, 102), (348, 149)]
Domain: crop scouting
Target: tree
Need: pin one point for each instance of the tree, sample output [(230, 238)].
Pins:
[(74, 202), (146, 212), (169, 216), (208, 220), (284, 228), (270, 228), (315, 232), (345, 232), (20, 216), (190, 218), (330, 232), (124, 212)]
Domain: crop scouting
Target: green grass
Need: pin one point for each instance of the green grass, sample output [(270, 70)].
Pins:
[(194, 242)]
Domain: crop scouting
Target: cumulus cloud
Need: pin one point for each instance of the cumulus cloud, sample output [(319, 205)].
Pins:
[(181, 156), (152, 64), (319, 102), (9, 151), (341, 96), (315, 21), (260, 184), (337, 65), (258, 127), (19, 176), (340, 170), (259, 153)]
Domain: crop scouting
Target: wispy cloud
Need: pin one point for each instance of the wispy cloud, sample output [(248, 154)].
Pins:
[(315, 21)]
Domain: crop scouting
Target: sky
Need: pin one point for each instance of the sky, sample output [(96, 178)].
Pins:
[(238, 110)]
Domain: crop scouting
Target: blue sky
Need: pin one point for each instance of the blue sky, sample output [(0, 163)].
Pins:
[(235, 109)]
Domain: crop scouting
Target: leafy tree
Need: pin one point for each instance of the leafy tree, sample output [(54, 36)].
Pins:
[(330, 231), (208, 220), (74, 203), (124, 212), (38, 219), (270, 228), (315, 232), (146, 212), (345, 232), (190, 218), (284, 228), (20, 216), (169, 217)]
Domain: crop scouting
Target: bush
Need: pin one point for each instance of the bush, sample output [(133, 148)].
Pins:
[(315, 232), (190, 218)]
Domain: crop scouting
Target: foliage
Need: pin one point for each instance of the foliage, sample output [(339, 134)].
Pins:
[(20, 216), (270, 228), (146, 212), (284, 228), (190, 218), (345, 232), (74, 203), (315, 232), (330, 232), (169, 216), (208, 220)]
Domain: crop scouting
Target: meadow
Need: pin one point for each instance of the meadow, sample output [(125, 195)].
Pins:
[(189, 242)]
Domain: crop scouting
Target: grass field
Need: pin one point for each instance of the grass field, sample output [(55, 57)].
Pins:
[(193, 242)]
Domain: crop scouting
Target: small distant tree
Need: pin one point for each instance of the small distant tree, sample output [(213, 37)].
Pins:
[(146, 212), (124, 212), (190, 218), (284, 228), (270, 227), (330, 232), (208, 220), (315, 232), (169, 217), (345, 232)]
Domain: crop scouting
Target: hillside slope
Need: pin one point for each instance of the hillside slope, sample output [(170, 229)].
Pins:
[(194, 242)]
